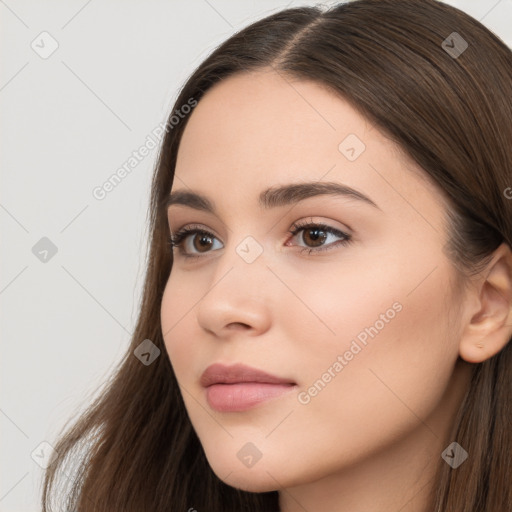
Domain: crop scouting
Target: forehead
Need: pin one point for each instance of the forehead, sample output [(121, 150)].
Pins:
[(255, 130), (262, 116)]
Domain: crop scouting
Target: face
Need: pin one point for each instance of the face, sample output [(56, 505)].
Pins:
[(350, 301)]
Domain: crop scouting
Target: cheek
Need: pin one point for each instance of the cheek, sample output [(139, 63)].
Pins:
[(177, 314), (392, 355)]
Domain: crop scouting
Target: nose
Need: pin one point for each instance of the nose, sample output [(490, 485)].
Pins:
[(238, 299)]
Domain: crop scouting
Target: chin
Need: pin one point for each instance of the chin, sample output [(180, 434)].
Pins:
[(246, 480), (251, 479)]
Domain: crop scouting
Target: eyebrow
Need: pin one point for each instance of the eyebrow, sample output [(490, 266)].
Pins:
[(272, 197)]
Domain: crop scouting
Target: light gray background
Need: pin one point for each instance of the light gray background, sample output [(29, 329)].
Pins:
[(68, 123)]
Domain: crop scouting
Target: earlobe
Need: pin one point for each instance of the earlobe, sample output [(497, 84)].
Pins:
[(490, 327)]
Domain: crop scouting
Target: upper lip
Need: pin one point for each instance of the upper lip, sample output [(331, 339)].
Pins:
[(220, 374)]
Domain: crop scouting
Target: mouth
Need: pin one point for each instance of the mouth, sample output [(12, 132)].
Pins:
[(238, 388)]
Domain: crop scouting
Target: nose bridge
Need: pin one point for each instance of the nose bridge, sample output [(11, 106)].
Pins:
[(240, 289), (245, 261)]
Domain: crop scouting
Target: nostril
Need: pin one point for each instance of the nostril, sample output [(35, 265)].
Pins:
[(238, 325)]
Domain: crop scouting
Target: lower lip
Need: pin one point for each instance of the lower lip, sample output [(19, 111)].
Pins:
[(243, 395)]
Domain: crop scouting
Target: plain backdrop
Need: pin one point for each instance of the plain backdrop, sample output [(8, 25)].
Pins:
[(82, 84)]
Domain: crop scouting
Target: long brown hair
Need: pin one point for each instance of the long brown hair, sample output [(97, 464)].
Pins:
[(449, 108)]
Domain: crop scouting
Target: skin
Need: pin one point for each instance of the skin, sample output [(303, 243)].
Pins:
[(371, 439)]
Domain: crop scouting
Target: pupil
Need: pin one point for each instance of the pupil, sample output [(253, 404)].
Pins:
[(316, 235), (202, 242)]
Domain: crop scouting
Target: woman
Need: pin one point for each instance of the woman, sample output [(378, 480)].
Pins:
[(328, 326)]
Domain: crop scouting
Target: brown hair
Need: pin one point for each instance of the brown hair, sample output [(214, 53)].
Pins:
[(134, 449)]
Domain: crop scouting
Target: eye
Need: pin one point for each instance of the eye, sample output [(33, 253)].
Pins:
[(314, 233), (180, 239), (317, 234)]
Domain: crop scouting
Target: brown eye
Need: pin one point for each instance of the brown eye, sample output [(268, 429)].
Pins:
[(314, 236), (200, 244), (201, 241)]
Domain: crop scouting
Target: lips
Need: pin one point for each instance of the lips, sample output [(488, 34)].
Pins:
[(221, 374), (238, 388)]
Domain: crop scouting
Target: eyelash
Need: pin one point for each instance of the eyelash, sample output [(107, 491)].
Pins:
[(182, 234)]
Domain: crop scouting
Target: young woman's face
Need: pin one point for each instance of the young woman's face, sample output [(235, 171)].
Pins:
[(365, 333)]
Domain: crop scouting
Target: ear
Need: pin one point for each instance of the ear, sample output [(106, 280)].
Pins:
[(490, 326)]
